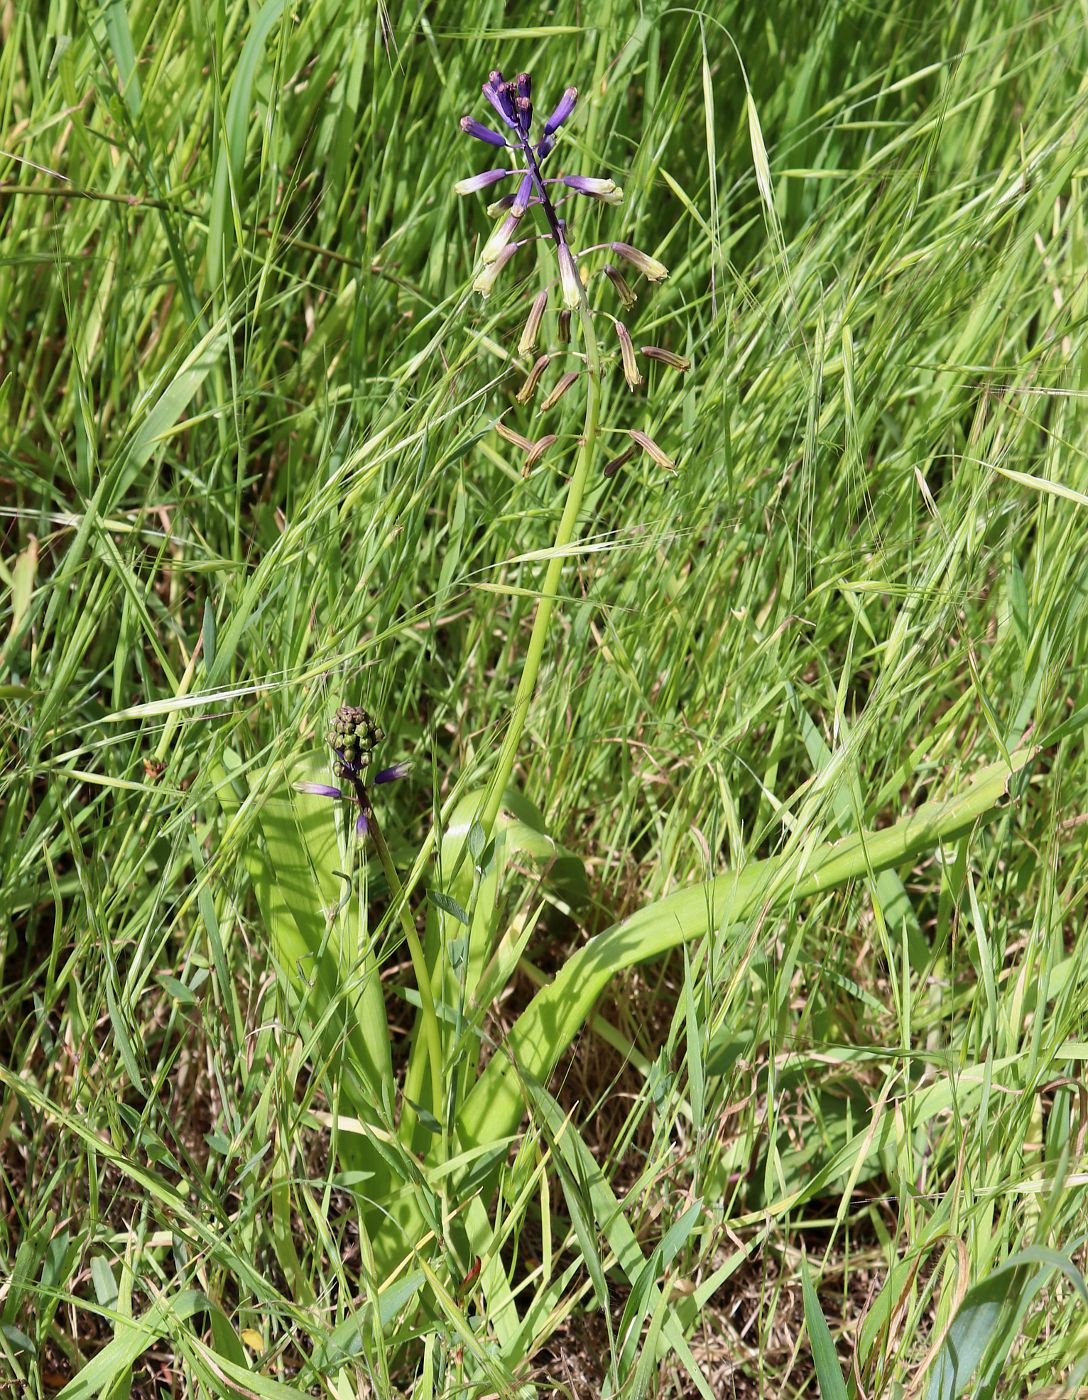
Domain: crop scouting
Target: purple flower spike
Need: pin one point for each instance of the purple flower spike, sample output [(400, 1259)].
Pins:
[(319, 789), (482, 133), (562, 112), (390, 775)]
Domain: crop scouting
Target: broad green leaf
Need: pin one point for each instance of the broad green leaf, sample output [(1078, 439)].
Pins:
[(824, 1358)]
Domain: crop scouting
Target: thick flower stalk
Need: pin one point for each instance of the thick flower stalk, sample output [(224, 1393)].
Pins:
[(530, 148), (527, 145), (353, 738)]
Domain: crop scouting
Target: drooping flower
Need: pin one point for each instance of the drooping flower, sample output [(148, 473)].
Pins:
[(560, 388), (646, 442), (502, 235), (650, 268), (527, 343), (353, 738), (666, 357), (528, 389), (607, 191), (627, 354), (612, 467), (539, 448), (568, 277), (515, 439), (621, 284), (489, 273)]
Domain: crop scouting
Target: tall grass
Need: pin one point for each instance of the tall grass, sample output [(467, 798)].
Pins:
[(248, 471)]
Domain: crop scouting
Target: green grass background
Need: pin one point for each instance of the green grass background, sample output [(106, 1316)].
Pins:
[(247, 471)]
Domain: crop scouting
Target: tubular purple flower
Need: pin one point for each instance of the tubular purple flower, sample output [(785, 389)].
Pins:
[(650, 268), (390, 775), (527, 343), (607, 191), (472, 127), (568, 276), (562, 112), (496, 92), (319, 789), (545, 147), (522, 198), (481, 181)]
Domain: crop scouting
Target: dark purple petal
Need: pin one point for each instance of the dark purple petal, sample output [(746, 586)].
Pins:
[(389, 775), (522, 199), (496, 94), (481, 132), (562, 112), (524, 104), (319, 789), (545, 147), (361, 824)]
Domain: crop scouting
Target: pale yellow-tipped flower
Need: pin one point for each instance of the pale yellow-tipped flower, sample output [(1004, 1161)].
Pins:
[(489, 273), (568, 276), (500, 238)]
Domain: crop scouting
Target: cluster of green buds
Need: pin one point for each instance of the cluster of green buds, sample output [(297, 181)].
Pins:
[(353, 737), (512, 100)]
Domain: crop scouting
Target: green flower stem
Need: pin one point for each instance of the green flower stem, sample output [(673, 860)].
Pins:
[(419, 965), (535, 651)]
